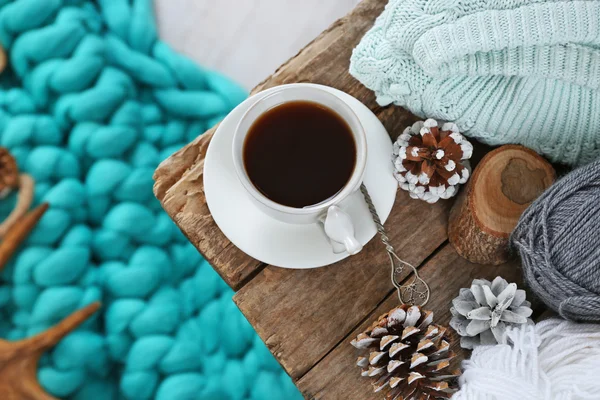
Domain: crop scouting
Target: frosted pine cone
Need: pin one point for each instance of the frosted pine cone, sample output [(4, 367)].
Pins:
[(481, 313), (406, 352), (431, 160)]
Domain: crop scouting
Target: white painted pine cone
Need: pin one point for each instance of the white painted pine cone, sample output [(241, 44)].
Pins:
[(431, 160), (481, 313)]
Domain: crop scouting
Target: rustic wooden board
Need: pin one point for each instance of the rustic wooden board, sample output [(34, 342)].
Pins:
[(306, 317), (302, 314), (178, 180), (179, 187), (337, 377)]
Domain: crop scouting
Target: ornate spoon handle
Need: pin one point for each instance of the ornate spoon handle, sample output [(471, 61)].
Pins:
[(415, 291)]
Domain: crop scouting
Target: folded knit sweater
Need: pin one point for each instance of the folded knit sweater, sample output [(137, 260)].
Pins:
[(506, 71)]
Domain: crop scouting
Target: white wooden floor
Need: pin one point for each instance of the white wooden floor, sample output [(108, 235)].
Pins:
[(245, 39)]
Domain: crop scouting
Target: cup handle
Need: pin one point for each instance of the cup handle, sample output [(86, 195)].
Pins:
[(339, 228)]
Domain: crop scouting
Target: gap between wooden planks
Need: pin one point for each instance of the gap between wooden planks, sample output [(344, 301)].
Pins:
[(306, 317), (179, 187), (336, 376), (302, 314)]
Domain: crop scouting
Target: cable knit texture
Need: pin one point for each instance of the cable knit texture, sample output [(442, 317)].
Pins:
[(92, 103), (506, 71)]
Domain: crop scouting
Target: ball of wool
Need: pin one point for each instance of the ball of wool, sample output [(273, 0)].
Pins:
[(558, 239)]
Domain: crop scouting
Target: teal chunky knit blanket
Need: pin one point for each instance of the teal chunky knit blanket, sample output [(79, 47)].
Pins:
[(506, 71), (92, 103)]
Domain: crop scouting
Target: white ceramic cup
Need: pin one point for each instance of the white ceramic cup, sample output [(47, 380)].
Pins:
[(336, 222)]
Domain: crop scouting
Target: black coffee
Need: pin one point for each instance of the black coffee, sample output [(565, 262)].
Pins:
[(299, 153)]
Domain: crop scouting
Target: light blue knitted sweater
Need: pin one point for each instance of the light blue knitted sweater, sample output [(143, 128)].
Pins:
[(506, 71)]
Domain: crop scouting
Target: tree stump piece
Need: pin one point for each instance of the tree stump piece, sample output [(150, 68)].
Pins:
[(504, 184)]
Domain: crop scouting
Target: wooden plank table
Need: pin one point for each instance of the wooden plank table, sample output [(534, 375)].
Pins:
[(308, 317)]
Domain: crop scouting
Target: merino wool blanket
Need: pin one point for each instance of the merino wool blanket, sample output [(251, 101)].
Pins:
[(90, 105), (505, 71)]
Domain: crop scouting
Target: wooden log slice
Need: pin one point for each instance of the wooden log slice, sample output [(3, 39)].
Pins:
[(504, 184)]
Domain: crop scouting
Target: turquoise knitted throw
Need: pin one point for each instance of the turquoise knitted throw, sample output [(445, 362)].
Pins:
[(92, 103), (506, 71)]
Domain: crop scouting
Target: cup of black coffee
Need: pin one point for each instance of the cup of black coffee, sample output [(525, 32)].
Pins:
[(299, 152)]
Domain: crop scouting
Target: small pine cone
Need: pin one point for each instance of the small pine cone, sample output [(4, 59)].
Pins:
[(9, 172), (431, 160), (406, 352)]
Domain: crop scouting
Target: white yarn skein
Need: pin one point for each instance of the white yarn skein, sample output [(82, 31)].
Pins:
[(553, 360)]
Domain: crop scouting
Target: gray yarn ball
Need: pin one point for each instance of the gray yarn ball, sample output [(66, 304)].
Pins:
[(558, 239)]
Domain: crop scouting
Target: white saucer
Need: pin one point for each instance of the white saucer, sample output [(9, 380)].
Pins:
[(278, 243)]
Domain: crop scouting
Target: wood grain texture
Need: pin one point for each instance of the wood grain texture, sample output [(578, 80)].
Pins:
[(306, 317), (179, 187), (506, 181), (178, 180), (302, 314), (337, 377)]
